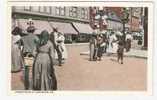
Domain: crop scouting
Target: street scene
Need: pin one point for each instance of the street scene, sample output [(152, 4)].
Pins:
[(79, 48)]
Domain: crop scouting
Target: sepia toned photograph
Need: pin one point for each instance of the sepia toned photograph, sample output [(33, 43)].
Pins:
[(79, 48)]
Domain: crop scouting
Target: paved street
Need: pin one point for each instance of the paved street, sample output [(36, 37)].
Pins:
[(78, 73)]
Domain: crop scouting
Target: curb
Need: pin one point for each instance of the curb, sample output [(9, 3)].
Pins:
[(114, 55), (77, 44)]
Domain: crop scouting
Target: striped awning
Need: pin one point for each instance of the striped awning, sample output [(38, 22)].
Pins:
[(83, 28), (65, 28), (39, 25)]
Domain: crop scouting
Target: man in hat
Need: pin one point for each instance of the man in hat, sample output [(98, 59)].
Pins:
[(128, 41), (29, 43), (54, 37)]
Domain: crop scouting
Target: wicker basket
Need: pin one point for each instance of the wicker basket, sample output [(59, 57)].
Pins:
[(29, 61)]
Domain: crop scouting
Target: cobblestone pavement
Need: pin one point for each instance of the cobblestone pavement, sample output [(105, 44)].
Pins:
[(78, 73)]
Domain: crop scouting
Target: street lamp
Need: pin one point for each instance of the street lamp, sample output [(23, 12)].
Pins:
[(125, 19), (101, 17)]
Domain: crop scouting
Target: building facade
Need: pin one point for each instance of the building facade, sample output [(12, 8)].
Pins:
[(135, 19), (114, 15), (64, 18), (110, 22)]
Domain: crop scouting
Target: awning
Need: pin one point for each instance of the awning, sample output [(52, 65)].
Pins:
[(39, 25), (65, 28), (83, 28)]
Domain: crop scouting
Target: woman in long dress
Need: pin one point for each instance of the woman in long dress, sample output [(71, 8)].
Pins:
[(16, 55), (113, 44), (61, 40), (61, 47), (92, 44), (43, 72)]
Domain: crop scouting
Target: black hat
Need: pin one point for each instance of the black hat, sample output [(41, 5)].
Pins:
[(16, 31)]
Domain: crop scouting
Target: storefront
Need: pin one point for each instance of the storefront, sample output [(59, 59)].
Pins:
[(84, 31), (45, 17), (39, 25), (67, 29)]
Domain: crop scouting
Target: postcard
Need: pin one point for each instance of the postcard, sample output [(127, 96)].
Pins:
[(80, 47)]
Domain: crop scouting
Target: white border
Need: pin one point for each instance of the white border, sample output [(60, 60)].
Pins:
[(123, 4)]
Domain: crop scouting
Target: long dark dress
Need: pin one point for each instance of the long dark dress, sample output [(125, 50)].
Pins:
[(43, 72), (128, 45), (92, 45), (100, 48)]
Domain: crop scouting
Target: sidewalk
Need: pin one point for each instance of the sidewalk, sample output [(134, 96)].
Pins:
[(132, 53)]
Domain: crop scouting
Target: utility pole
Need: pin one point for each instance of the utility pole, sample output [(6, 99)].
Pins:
[(124, 19), (145, 26)]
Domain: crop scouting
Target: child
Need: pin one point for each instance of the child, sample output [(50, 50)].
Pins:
[(120, 50)]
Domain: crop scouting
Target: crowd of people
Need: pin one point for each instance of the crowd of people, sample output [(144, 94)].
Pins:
[(115, 42), (40, 52)]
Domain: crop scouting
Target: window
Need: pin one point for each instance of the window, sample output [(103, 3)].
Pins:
[(60, 11), (86, 14), (35, 9), (42, 9), (83, 13), (73, 12), (48, 9), (27, 8), (18, 8), (57, 11)]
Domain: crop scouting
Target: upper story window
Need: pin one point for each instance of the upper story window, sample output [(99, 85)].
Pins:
[(27, 8), (73, 12), (87, 14), (84, 13), (57, 10), (35, 8), (60, 11), (48, 9), (42, 9)]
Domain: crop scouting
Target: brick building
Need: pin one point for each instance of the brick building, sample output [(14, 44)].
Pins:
[(72, 21), (111, 22), (114, 15), (135, 19)]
